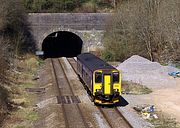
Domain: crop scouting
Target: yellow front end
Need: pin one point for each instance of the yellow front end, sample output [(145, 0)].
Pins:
[(106, 86)]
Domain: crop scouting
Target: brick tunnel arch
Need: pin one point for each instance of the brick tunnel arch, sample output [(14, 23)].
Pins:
[(62, 44)]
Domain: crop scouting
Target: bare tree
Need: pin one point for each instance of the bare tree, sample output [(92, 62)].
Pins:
[(4, 60), (146, 27)]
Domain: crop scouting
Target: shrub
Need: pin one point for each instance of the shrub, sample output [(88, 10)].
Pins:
[(4, 60), (14, 25), (56, 6), (88, 7), (145, 27)]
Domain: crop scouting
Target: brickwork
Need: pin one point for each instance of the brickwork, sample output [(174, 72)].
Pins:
[(88, 26)]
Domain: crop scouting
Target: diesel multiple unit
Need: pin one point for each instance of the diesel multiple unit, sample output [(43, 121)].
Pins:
[(102, 80)]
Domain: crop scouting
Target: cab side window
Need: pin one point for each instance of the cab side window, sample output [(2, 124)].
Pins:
[(115, 77), (98, 77)]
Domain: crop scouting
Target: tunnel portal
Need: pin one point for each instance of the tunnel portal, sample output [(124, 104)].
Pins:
[(62, 44)]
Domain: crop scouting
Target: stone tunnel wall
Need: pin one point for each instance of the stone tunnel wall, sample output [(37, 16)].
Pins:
[(88, 26)]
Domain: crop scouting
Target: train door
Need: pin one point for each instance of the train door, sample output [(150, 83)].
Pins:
[(107, 84)]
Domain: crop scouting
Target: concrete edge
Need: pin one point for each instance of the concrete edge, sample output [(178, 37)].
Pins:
[(133, 118)]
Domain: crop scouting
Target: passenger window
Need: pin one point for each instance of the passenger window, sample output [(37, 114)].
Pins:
[(98, 77), (115, 77)]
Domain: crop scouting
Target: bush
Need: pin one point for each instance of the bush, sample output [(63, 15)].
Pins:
[(14, 26), (145, 27), (107, 56), (57, 6), (51, 5), (15, 39), (4, 60), (88, 7)]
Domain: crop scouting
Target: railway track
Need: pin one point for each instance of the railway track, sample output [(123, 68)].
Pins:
[(112, 115), (114, 118), (73, 116)]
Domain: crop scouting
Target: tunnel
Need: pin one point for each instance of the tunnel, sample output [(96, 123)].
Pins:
[(62, 44)]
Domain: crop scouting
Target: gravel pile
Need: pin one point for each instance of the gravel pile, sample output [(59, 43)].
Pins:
[(140, 70)]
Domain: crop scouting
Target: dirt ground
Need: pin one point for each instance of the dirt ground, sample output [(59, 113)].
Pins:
[(166, 99), (165, 88)]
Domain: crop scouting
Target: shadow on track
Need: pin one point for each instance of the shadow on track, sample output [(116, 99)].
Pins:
[(122, 103)]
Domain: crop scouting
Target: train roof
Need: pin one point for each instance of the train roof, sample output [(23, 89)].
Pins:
[(92, 62)]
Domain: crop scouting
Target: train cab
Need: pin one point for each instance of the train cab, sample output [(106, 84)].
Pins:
[(102, 80), (106, 86)]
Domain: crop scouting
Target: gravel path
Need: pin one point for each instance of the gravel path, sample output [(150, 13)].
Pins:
[(135, 120)]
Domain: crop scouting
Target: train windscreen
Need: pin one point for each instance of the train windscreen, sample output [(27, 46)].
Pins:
[(115, 77), (98, 77)]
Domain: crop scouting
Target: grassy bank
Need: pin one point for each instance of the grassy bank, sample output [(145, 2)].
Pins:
[(134, 88), (22, 112), (15, 42)]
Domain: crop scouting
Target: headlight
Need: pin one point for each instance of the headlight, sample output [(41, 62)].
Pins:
[(98, 90), (116, 90)]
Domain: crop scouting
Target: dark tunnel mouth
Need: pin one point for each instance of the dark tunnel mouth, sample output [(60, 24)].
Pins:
[(62, 44)]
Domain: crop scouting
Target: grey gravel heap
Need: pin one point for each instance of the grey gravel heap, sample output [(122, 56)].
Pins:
[(141, 70)]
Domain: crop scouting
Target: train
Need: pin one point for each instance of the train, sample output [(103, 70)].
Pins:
[(102, 81)]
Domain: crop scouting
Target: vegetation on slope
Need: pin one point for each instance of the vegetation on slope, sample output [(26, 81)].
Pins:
[(149, 28), (68, 5), (14, 26), (129, 87), (15, 40)]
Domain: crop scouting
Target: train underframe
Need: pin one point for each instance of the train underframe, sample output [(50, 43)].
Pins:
[(100, 98)]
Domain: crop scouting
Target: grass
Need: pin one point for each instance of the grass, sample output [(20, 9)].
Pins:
[(3, 93), (20, 127), (177, 64), (134, 88), (25, 114), (32, 116), (164, 121), (40, 62), (27, 85)]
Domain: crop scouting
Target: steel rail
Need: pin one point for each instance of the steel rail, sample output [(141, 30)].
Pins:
[(71, 90), (56, 85), (123, 117)]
